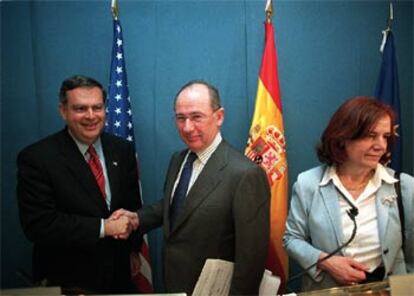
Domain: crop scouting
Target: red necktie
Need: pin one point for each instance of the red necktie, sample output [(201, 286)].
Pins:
[(96, 169)]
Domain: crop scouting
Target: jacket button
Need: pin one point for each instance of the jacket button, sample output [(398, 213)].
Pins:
[(385, 252)]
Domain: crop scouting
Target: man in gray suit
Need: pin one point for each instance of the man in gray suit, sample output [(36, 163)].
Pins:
[(223, 210)]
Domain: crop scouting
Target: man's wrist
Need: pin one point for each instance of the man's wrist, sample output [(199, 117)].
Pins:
[(102, 229)]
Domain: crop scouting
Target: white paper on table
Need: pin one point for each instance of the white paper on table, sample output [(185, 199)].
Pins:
[(215, 279)]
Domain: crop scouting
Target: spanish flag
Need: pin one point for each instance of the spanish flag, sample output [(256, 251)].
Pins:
[(266, 146)]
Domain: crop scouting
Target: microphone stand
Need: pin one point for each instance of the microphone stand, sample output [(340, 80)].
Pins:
[(352, 213)]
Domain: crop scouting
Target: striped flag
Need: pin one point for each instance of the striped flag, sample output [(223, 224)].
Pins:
[(119, 122), (266, 146), (388, 91)]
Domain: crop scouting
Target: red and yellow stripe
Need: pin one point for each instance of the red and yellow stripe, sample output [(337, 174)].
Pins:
[(266, 145)]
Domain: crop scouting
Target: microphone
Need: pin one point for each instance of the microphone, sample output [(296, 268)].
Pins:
[(352, 213)]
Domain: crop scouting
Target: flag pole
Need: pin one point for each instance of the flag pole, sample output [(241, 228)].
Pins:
[(388, 29), (269, 11), (390, 17), (266, 146), (119, 122), (114, 9)]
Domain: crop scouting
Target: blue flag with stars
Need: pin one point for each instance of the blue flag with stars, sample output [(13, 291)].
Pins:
[(119, 122), (388, 92), (118, 111)]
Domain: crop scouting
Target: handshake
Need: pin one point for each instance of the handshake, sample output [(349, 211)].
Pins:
[(121, 223)]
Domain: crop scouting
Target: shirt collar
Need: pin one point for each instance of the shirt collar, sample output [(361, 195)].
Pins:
[(84, 147), (381, 174), (328, 175), (204, 155)]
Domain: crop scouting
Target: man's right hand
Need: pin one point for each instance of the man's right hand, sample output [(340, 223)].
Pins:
[(121, 223), (119, 228), (132, 216)]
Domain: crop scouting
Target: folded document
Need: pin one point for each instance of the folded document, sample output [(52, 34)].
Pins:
[(215, 279)]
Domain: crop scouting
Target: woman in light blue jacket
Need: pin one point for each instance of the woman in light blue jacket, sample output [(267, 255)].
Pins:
[(354, 148)]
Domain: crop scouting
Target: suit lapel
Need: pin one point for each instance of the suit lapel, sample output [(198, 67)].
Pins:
[(385, 198), (169, 186), (206, 182), (330, 200), (112, 167), (79, 168)]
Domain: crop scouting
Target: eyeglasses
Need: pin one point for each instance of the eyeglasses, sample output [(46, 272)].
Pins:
[(193, 117)]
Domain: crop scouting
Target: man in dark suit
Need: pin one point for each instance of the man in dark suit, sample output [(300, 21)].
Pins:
[(225, 213), (68, 185)]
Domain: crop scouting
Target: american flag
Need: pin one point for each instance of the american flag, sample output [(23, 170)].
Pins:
[(119, 122)]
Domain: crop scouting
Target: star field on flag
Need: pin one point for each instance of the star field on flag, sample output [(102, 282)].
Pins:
[(118, 110)]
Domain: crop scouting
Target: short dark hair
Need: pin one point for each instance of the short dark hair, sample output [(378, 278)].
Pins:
[(212, 91), (78, 81), (353, 120)]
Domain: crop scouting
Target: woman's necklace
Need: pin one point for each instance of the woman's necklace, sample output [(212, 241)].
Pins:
[(356, 187)]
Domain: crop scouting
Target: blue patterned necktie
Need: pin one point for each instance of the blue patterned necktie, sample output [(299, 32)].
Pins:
[(182, 187)]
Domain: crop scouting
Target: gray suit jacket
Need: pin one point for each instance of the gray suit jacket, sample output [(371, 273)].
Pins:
[(314, 225), (225, 215)]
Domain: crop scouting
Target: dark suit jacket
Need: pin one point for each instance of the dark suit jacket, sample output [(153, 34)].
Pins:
[(61, 207), (225, 216)]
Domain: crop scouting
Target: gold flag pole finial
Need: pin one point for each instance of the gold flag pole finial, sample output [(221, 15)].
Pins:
[(390, 17), (114, 9), (269, 11)]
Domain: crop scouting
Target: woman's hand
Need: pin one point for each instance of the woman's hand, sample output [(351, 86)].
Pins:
[(344, 270)]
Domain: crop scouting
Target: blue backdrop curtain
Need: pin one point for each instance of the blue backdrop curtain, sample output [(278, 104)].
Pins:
[(328, 52)]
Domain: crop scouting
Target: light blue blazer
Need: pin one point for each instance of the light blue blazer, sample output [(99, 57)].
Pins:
[(314, 225)]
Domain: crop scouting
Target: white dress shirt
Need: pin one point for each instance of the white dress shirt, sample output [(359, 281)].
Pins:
[(365, 248), (198, 164), (99, 151)]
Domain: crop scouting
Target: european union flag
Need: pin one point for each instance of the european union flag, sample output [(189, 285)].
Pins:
[(388, 91)]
